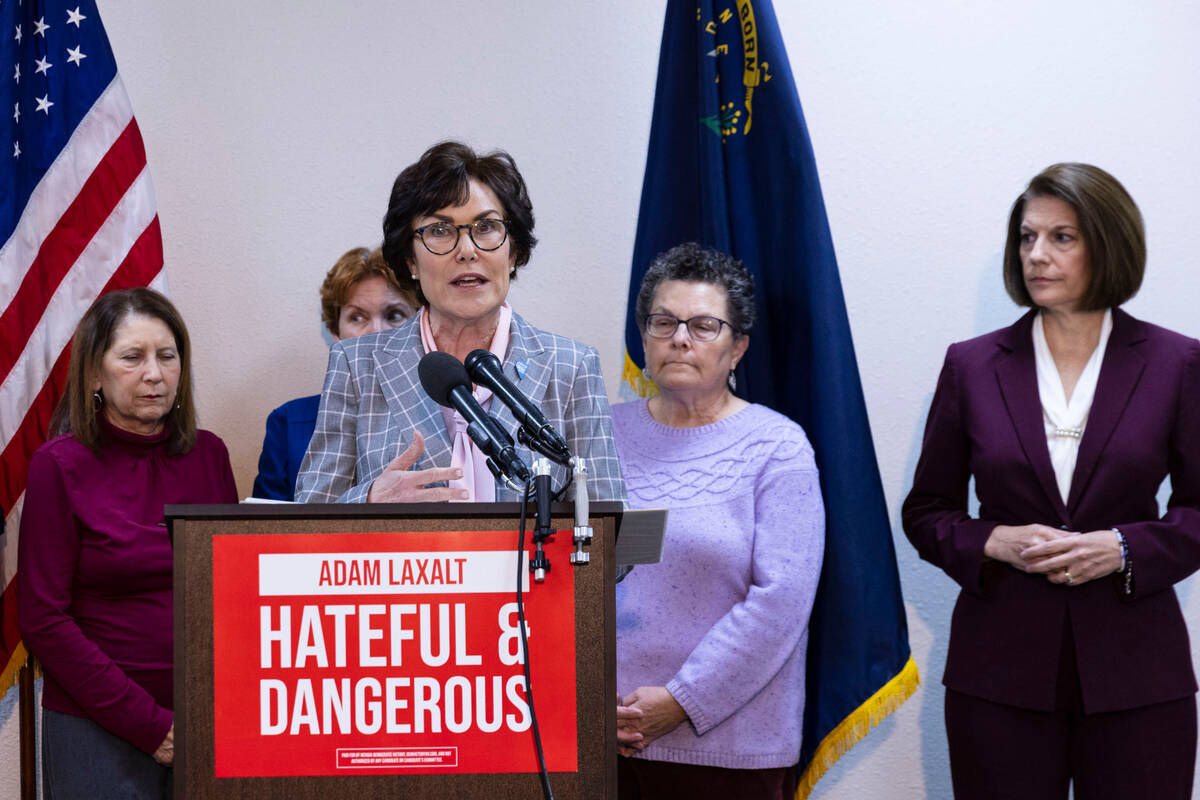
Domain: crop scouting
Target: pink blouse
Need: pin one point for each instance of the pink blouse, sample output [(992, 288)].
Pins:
[(477, 479)]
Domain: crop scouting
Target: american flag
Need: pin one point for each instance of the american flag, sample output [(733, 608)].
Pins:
[(77, 219)]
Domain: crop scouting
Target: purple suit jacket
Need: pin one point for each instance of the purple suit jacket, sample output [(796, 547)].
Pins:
[(986, 422)]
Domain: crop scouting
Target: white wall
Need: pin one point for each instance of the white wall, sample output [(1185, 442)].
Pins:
[(274, 132)]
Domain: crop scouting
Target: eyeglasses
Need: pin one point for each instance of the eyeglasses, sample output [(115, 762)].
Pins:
[(701, 329), (440, 238)]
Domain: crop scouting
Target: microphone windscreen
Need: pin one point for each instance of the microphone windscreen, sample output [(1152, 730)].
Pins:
[(440, 373)]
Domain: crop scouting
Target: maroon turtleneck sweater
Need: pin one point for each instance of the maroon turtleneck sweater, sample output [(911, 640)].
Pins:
[(94, 573)]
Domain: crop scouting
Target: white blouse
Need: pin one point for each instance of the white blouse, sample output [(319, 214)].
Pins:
[(1064, 420)]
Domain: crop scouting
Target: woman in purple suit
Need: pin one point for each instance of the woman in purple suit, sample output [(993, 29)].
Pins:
[(1069, 659)]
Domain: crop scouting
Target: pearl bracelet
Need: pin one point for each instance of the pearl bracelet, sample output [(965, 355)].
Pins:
[(1126, 569)]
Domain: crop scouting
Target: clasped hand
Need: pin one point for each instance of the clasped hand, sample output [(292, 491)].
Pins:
[(399, 483), (165, 754), (646, 714), (1064, 557)]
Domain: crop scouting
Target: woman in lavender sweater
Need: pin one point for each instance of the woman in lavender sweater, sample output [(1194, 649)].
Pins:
[(711, 642)]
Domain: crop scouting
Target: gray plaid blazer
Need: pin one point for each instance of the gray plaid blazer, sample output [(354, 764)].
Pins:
[(373, 401)]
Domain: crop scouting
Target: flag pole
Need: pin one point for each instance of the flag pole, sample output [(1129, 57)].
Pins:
[(27, 724)]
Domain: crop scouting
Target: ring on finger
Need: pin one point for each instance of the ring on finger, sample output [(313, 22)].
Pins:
[(1067, 573)]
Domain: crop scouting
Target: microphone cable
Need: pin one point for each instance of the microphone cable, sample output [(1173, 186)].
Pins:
[(547, 792)]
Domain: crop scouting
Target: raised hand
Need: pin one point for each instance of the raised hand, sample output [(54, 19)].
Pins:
[(399, 483)]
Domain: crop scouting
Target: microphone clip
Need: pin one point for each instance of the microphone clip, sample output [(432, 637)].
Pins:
[(545, 445), (504, 478)]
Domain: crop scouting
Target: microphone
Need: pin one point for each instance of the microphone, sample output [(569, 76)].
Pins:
[(445, 380), (485, 369)]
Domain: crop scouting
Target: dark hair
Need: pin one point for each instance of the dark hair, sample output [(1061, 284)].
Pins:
[(439, 179), (347, 272), (93, 336), (695, 264), (1110, 225)]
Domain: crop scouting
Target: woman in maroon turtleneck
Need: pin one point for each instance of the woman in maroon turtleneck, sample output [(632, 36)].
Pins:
[(95, 562)]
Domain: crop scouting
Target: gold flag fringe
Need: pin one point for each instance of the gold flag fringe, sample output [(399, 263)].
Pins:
[(855, 727), (638, 382), (18, 659)]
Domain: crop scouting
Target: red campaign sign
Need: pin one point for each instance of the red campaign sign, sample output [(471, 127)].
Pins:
[(377, 653)]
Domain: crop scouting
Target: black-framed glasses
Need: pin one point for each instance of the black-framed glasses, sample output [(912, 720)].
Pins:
[(440, 238), (701, 329)]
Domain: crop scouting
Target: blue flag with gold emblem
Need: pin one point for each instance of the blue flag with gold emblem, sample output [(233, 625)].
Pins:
[(730, 166)]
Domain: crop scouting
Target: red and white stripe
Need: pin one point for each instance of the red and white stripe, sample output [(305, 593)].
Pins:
[(90, 226)]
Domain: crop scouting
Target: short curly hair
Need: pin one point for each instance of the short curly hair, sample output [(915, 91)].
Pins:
[(354, 266), (440, 178), (1109, 223), (696, 264)]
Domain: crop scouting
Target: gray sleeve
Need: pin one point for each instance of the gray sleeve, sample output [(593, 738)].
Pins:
[(588, 422), (327, 474)]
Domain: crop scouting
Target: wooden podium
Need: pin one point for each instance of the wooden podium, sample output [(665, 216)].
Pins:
[(247, 727)]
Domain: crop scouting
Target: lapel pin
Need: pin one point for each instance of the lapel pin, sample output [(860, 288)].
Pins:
[(521, 367)]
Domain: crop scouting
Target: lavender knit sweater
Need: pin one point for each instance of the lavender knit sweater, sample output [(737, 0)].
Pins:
[(722, 622)]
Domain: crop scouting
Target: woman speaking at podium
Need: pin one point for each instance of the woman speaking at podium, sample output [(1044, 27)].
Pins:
[(458, 228)]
